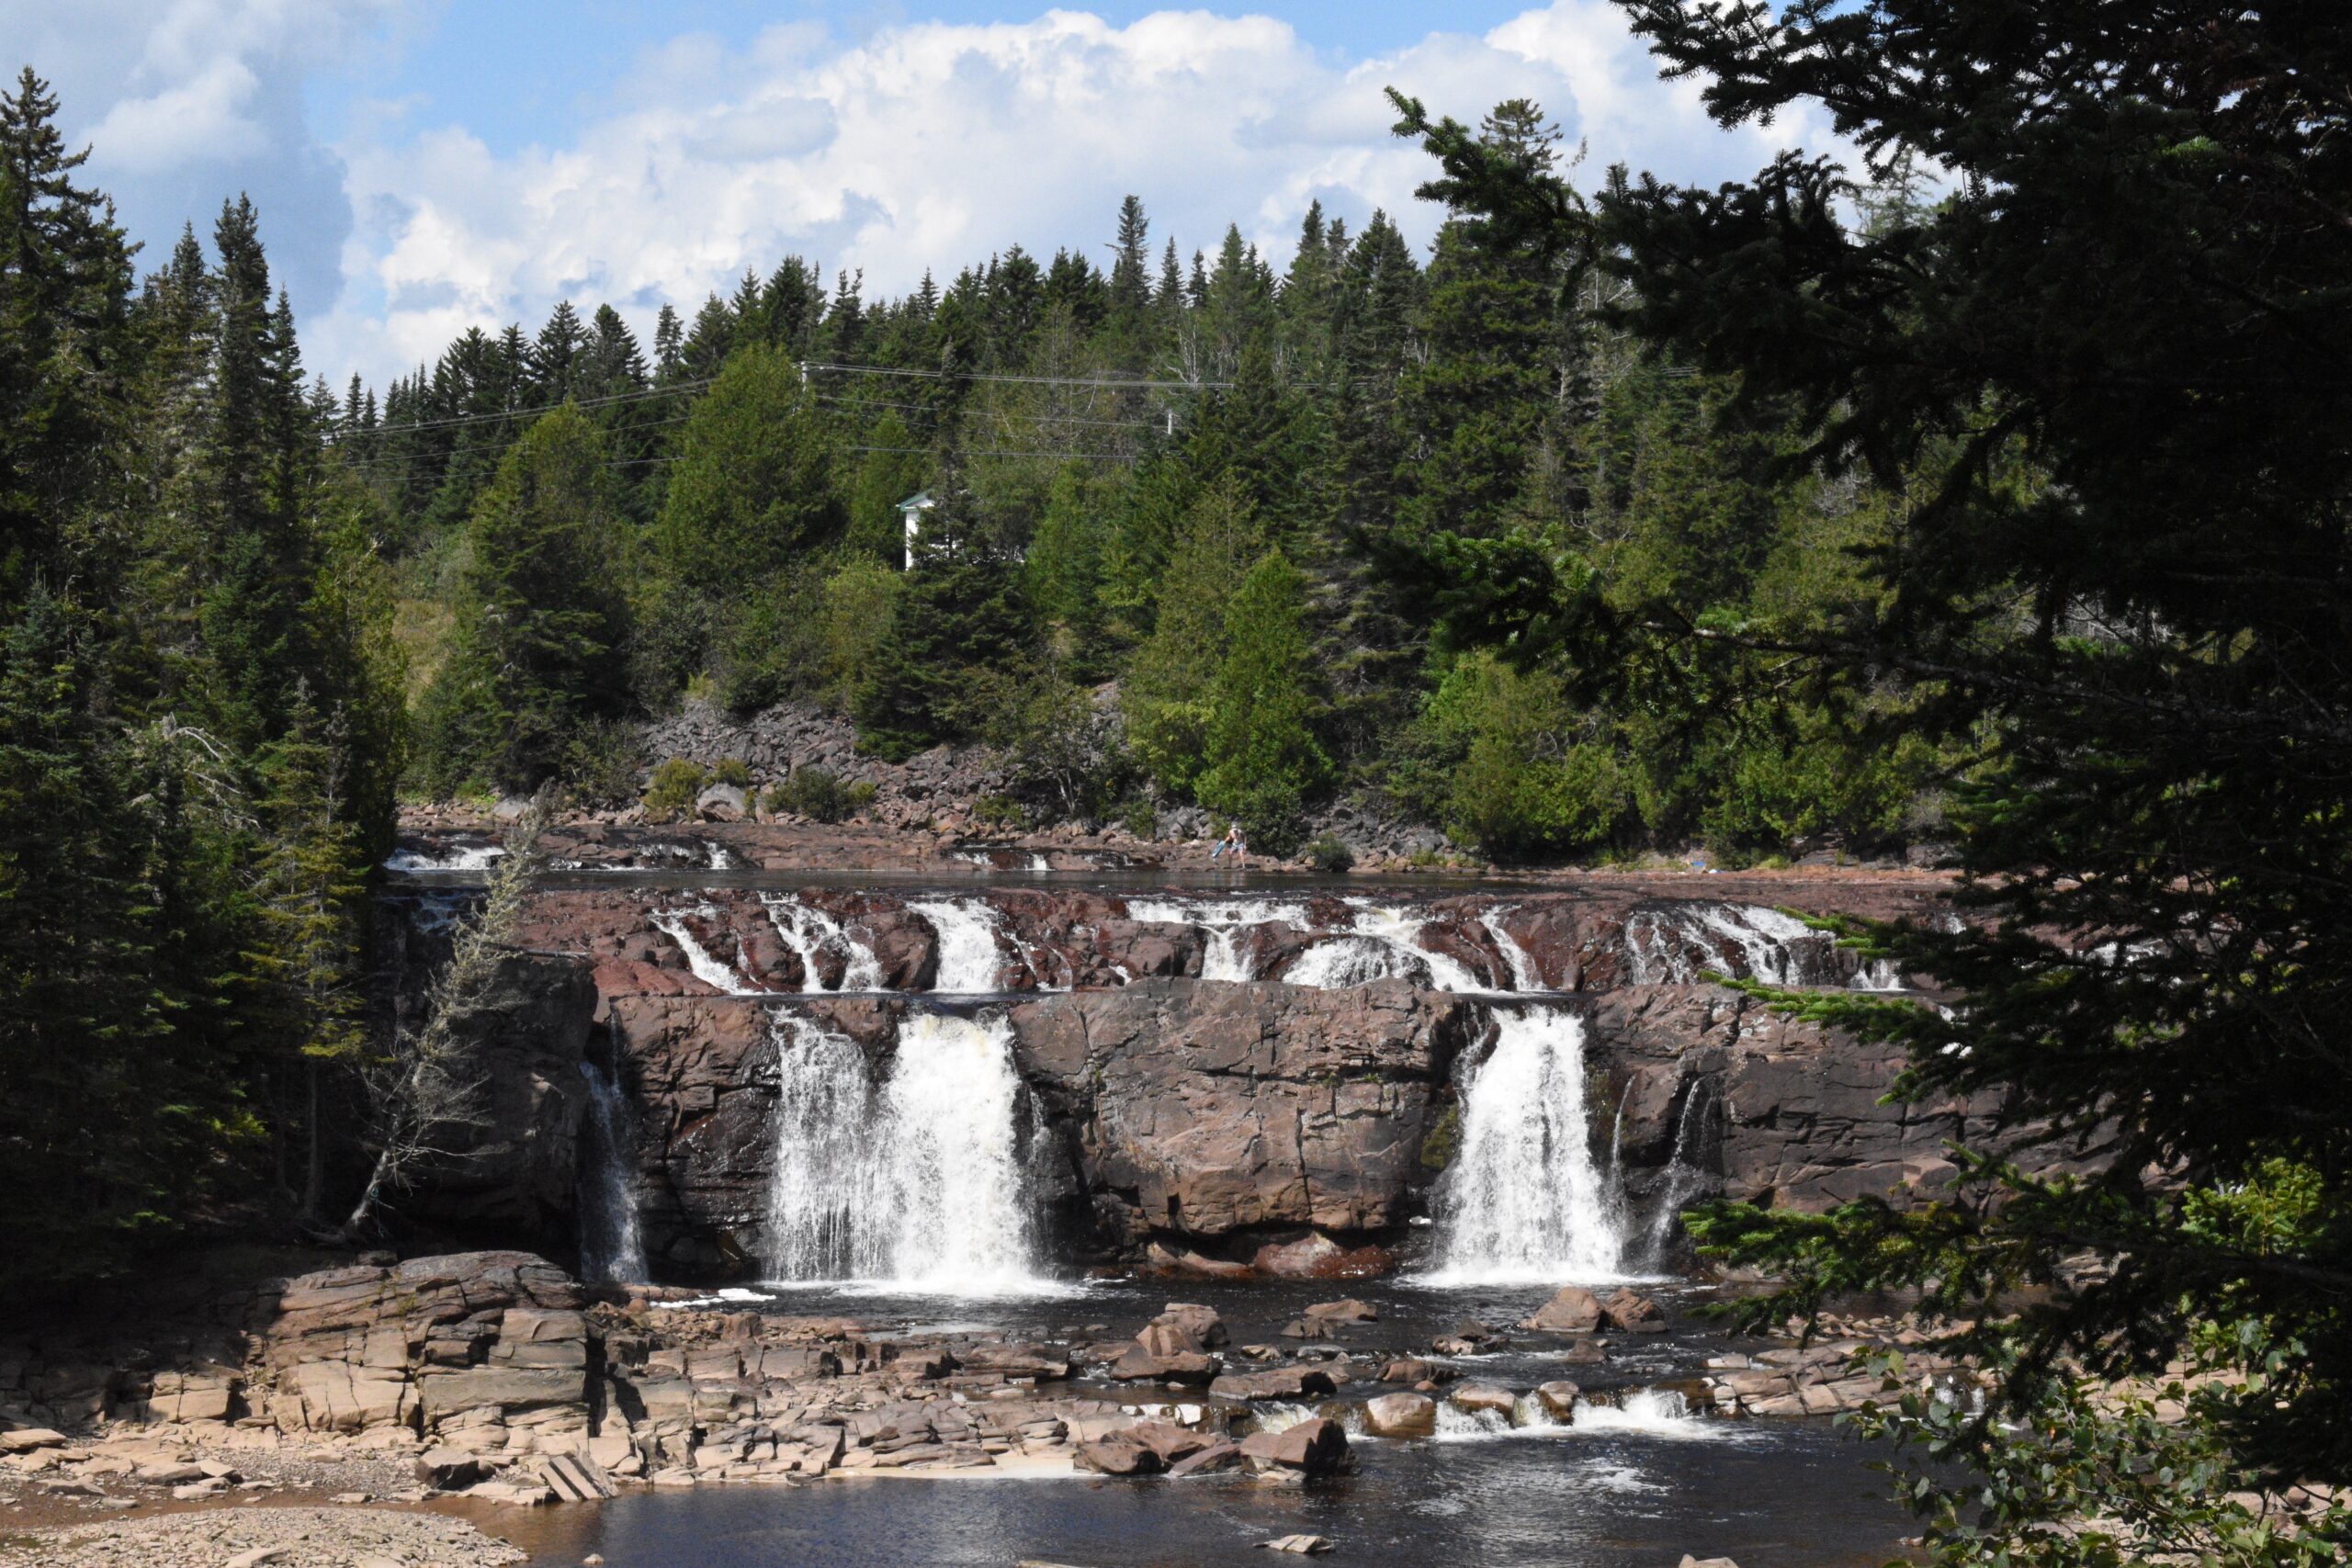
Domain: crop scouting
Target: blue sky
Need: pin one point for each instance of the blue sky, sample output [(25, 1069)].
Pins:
[(489, 66), (426, 165)]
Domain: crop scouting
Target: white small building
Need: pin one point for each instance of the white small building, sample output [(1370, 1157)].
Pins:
[(911, 509)]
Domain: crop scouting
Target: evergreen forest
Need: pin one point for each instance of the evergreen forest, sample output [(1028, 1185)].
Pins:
[(1981, 496)]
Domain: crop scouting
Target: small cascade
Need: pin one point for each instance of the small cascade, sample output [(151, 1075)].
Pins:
[(1224, 922), (1525, 976), (1341, 962), (1686, 1174), (1524, 1201), (811, 933), (1675, 946), (917, 1181), (970, 962), (707, 968), (611, 1248), (1659, 1413), (1382, 943), (476, 857)]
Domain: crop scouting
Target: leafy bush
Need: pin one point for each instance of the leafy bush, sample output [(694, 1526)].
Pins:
[(817, 794), (732, 771), (1142, 821), (671, 793), (599, 764), (1329, 854), (1000, 811)]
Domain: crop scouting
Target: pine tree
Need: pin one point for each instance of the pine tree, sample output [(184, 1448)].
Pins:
[(959, 642), (540, 618), (754, 488), (1264, 763)]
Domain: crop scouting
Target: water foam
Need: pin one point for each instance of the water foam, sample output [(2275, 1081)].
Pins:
[(811, 933), (612, 1247), (914, 1184), (707, 966), (970, 962), (1524, 1202)]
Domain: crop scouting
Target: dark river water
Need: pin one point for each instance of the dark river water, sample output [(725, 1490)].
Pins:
[(1639, 1484)]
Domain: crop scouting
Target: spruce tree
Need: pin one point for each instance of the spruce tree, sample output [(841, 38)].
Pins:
[(1264, 763), (540, 619)]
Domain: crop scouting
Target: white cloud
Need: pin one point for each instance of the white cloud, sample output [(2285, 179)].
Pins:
[(911, 146), (183, 102)]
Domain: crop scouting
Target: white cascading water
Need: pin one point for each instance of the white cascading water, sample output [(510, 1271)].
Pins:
[(1686, 1177), (480, 857), (811, 933), (1525, 976), (612, 1248), (1382, 943), (916, 1183), (970, 962), (1224, 922), (707, 968), (1524, 1201)]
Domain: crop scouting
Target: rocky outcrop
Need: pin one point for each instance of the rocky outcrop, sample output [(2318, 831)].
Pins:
[(509, 1169), (1210, 1113), (486, 1349), (1719, 1095)]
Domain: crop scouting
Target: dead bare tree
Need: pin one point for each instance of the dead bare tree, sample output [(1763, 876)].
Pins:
[(428, 1087)]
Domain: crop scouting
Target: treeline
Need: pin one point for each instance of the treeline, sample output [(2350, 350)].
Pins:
[(201, 712), (1276, 509)]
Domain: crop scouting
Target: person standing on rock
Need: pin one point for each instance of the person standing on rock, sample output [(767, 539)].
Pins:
[(1231, 843)]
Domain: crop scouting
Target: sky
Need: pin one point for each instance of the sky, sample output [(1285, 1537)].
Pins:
[(422, 166)]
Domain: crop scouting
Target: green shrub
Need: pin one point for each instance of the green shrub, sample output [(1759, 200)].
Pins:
[(599, 764), (1329, 854), (817, 794), (732, 771), (1000, 811), (1142, 821), (671, 793)]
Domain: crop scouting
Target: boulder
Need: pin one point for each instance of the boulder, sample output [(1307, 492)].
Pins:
[(1690, 1561), (1185, 1262), (1202, 1323), (1348, 1311), (1584, 1353), (1557, 1399), (1477, 1396), (1407, 1368), (1633, 1314), (1117, 1454), (1313, 1448), (449, 1469), (1191, 1366), (1572, 1310), (1400, 1415), (1165, 1339), (722, 803), (1279, 1382), (1171, 1442), (1215, 1457), (1305, 1545)]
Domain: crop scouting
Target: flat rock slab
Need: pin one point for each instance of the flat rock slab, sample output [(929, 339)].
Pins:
[(1305, 1545)]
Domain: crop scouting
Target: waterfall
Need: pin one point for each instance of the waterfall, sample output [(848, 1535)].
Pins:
[(812, 934), (610, 1245), (1685, 1177), (1224, 922), (1380, 945), (969, 959), (1523, 1201), (712, 971), (917, 1181), (1525, 976)]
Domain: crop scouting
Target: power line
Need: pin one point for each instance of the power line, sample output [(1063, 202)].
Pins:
[(1107, 383)]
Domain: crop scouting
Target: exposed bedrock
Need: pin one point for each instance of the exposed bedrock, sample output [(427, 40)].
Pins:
[(1016, 939), (1211, 1111)]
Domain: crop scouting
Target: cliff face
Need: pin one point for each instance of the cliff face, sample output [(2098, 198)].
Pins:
[(1202, 1115), (1207, 1110)]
